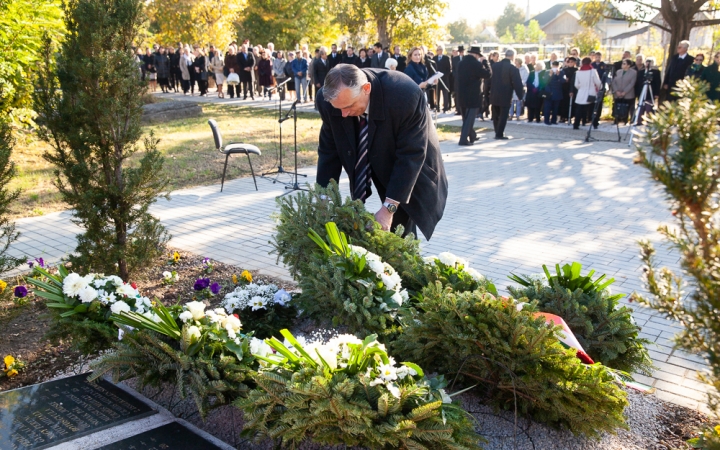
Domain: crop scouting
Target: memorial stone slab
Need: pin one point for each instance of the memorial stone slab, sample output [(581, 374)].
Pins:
[(46, 414), (172, 436)]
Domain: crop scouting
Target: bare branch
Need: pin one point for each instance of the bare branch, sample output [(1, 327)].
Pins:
[(704, 23)]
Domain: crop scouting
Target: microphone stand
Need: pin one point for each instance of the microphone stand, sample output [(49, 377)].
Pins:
[(437, 90), (280, 170), (293, 186)]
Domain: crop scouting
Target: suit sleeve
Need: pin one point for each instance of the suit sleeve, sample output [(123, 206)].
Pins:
[(329, 164), (412, 141), (517, 83)]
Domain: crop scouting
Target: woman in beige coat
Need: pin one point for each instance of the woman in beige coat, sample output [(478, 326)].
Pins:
[(587, 83), (623, 89)]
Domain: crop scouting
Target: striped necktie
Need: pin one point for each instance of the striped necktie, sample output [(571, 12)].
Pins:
[(362, 166)]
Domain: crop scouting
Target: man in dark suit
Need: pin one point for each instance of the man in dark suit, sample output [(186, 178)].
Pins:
[(246, 61), (377, 126), (505, 80), (350, 57), (402, 60), (443, 65), (617, 65), (320, 68), (676, 69), (379, 57), (455, 64), (334, 58), (473, 68)]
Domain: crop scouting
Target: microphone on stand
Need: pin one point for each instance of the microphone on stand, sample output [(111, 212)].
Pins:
[(292, 108)]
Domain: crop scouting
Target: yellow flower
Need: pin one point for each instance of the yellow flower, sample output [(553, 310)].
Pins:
[(717, 429), (246, 276), (234, 279), (12, 373), (176, 256), (3, 285), (9, 361)]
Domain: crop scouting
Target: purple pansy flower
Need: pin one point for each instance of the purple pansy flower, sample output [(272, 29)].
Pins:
[(21, 291), (39, 261), (215, 288), (201, 283)]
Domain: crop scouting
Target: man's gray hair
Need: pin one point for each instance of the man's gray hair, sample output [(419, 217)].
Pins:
[(343, 76), (685, 43), (510, 53)]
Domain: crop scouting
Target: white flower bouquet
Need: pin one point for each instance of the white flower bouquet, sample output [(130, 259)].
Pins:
[(352, 384), (453, 271), (265, 308)]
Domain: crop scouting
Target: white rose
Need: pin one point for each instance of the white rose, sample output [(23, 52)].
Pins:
[(72, 284), (194, 331), (197, 309), (185, 316), (119, 307), (448, 259), (87, 294), (232, 324)]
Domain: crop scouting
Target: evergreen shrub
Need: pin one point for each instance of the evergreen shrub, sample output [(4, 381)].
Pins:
[(513, 357), (604, 328)]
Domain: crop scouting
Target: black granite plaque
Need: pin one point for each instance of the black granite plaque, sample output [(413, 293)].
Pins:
[(172, 436), (43, 415)]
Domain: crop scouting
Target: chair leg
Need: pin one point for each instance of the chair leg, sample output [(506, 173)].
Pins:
[(222, 183), (252, 171)]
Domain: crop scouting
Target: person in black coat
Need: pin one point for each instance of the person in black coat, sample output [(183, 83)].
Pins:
[(320, 68), (377, 61), (350, 57), (246, 61), (400, 58), (473, 69), (363, 61), (569, 90), (175, 73), (455, 64), (676, 69), (199, 67), (505, 80), (162, 66), (403, 150), (335, 57), (443, 65), (553, 93), (535, 86)]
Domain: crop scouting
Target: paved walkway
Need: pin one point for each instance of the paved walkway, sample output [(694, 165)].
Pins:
[(545, 197)]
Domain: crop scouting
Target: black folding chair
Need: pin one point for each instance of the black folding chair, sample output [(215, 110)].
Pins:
[(232, 148)]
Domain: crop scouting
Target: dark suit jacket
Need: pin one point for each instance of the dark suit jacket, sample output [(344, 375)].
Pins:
[(319, 70), (455, 66), (676, 70), (469, 74), (505, 80), (364, 64), (379, 63), (244, 62), (354, 59), (402, 63), (553, 85), (445, 66), (533, 97), (336, 60), (403, 147)]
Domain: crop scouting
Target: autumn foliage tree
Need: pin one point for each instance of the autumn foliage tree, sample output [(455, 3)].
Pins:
[(195, 22)]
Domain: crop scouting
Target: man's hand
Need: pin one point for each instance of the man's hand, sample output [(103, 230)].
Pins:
[(384, 218)]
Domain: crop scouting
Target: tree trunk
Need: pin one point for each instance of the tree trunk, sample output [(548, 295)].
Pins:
[(679, 16), (382, 29)]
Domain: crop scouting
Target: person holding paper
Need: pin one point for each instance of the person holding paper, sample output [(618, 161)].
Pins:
[(416, 69), (377, 126)]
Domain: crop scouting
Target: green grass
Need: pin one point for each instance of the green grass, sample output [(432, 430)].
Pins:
[(190, 155)]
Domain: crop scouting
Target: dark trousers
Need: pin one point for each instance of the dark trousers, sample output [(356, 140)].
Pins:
[(550, 110), (468, 128), (446, 98), (500, 117), (247, 87), (430, 91), (185, 85), (581, 114), (534, 114), (231, 90), (202, 85)]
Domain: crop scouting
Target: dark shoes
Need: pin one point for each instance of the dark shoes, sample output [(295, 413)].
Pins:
[(502, 138)]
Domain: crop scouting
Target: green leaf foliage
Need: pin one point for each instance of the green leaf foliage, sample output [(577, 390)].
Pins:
[(604, 328), (8, 235), (267, 322), (513, 356), (89, 105), (680, 151), (212, 376)]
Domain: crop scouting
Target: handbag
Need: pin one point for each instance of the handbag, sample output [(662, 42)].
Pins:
[(591, 99), (203, 76), (621, 110), (233, 79)]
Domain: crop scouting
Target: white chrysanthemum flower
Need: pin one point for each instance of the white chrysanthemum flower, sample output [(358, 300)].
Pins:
[(232, 325), (197, 309), (391, 280), (73, 283), (375, 266), (167, 275), (194, 331), (87, 294), (214, 317), (448, 259), (119, 307), (116, 280), (477, 276), (258, 302), (463, 262), (106, 297), (282, 297), (359, 251), (404, 371), (127, 290), (387, 372), (99, 283), (185, 316), (259, 347), (430, 259)]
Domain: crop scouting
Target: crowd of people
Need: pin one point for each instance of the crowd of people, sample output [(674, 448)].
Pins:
[(554, 90)]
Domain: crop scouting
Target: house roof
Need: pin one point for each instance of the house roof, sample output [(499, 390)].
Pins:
[(551, 13), (628, 34)]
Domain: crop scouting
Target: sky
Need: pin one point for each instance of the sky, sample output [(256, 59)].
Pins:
[(475, 11)]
